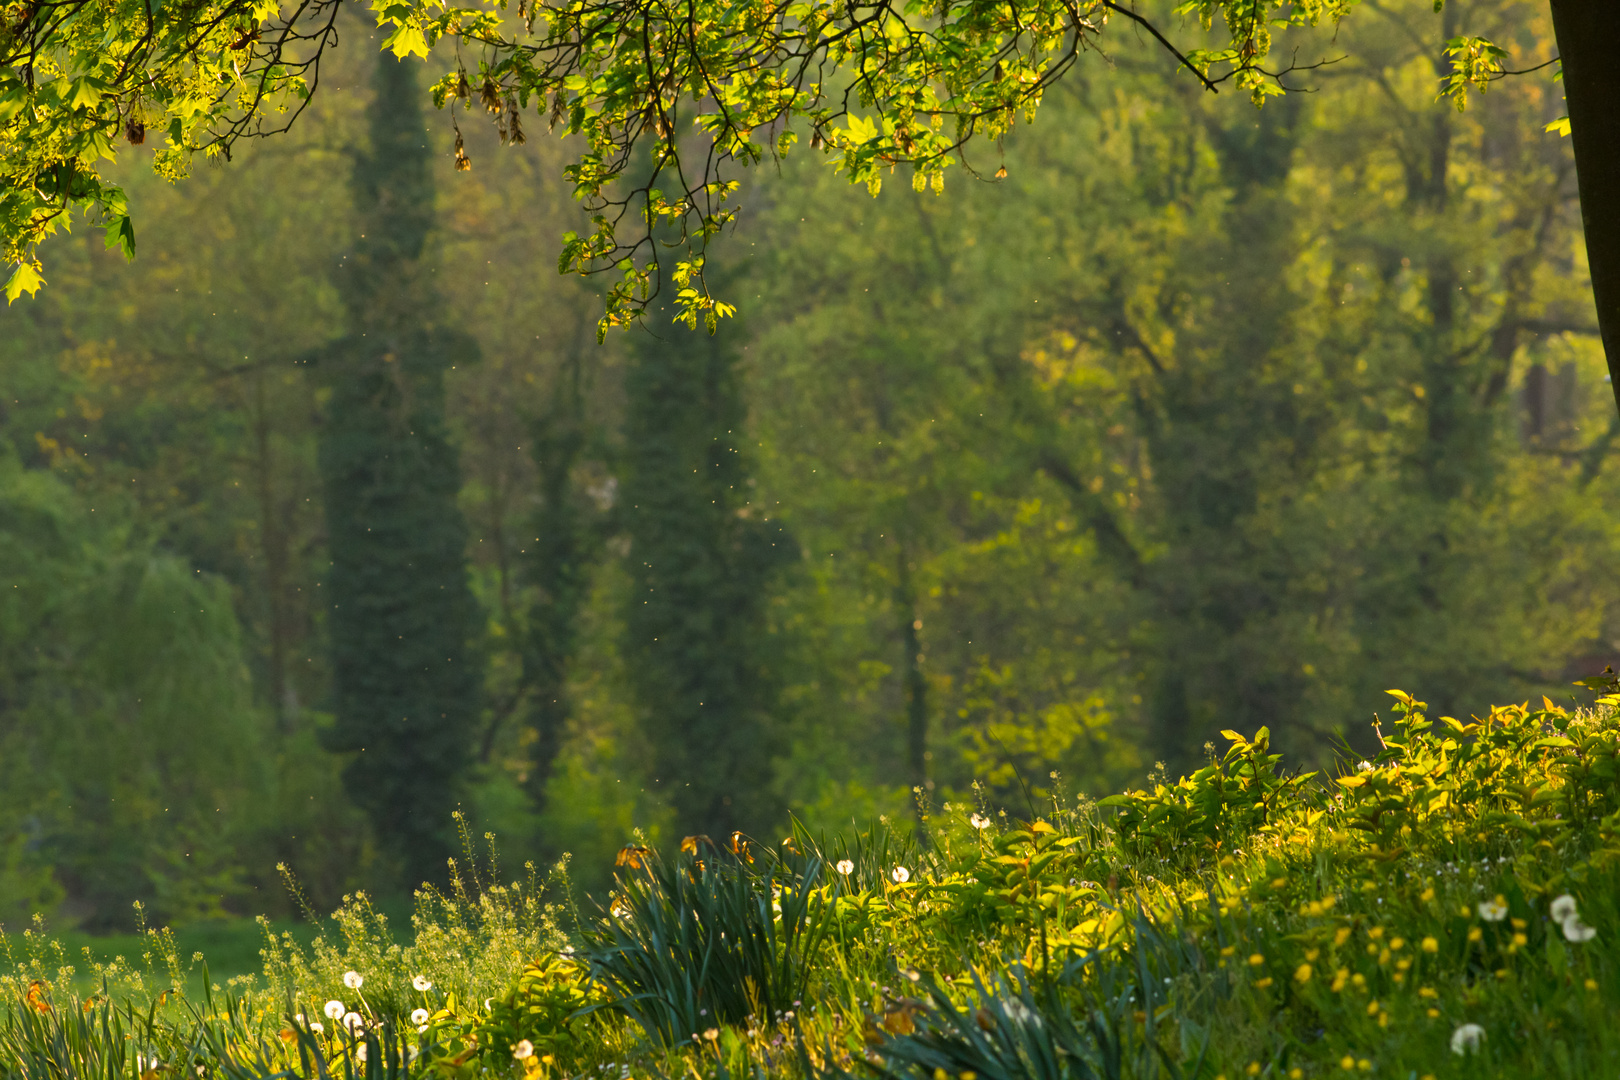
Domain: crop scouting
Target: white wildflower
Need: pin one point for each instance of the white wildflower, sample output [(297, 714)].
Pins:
[(422, 983), (334, 1010), (1493, 910), (524, 1049), (900, 874), (979, 821), (1019, 1013), (1365, 766), (1466, 1039), (353, 979)]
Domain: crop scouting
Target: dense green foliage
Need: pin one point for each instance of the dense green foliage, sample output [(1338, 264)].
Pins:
[(1201, 419)]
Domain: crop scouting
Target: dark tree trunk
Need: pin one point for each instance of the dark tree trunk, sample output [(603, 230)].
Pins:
[(1587, 32)]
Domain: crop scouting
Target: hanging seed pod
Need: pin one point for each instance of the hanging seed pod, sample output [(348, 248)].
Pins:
[(512, 124)]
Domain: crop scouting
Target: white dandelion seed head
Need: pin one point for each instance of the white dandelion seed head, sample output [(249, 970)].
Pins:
[(523, 1049), (1493, 910), (979, 821), (846, 867), (900, 874), (1577, 931), (335, 1009), (354, 1022), (422, 983), (360, 1052), (1562, 909), (317, 1027), (419, 1017), (353, 979), (1466, 1039)]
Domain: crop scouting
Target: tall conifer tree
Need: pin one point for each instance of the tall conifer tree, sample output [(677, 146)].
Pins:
[(559, 569), (402, 614), (701, 561)]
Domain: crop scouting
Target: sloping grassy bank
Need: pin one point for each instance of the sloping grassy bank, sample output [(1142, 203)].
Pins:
[(1448, 908)]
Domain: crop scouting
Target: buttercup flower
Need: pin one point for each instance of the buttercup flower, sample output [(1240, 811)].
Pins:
[(900, 874), (421, 983), (1563, 909), (524, 1049), (419, 1016), (334, 1010), (979, 821), (1493, 910), (352, 979), (1465, 1040), (845, 867)]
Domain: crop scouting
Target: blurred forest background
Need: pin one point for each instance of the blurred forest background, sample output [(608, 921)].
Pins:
[(328, 514)]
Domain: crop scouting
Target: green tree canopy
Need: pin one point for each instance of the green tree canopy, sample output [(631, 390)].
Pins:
[(882, 85)]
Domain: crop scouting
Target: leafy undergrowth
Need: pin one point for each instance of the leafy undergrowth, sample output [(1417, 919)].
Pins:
[(1448, 908)]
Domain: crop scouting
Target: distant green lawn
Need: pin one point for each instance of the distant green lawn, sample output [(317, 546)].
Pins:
[(231, 947)]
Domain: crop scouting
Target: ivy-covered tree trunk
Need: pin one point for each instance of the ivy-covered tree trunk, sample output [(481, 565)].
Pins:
[(402, 615), (559, 570), (701, 563)]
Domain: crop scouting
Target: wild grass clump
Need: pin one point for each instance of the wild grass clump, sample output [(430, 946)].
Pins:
[(710, 938), (1447, 908)]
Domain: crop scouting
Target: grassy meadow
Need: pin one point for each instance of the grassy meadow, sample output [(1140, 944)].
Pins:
[(1446, 908)]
